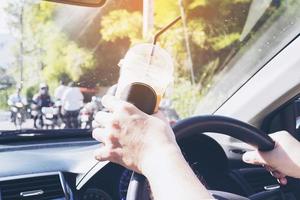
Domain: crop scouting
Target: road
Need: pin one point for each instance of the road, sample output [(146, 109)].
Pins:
[(5, 123)]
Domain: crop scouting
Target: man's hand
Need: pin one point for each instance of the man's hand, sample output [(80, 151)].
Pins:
[(282, 161), (130, 136), (146, 144)]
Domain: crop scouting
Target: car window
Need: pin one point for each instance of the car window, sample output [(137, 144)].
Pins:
[(273, 25), (57, 60), (284, 118)]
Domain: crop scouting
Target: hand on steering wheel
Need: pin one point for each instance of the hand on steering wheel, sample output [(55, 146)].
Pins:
[(282, 161), (142, 142)]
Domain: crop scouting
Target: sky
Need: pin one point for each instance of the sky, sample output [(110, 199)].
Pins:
[(3, 25), (6, 40)]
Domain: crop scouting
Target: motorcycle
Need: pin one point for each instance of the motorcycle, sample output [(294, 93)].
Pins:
[(59, 118), (88, 112), (18, 114), (36, 115), (86, 119), (71, 119), (50, 117)]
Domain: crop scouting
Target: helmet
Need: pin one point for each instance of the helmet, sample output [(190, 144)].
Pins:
[(43, 85), (43, 89)]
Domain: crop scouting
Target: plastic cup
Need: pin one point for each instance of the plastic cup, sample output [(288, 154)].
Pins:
[(137, 71)]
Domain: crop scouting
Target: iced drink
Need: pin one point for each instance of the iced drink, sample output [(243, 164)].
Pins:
[(144, 78)]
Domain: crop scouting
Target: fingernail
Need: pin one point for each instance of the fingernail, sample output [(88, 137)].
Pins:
[(282, 181), (246, 157), (97, 157)]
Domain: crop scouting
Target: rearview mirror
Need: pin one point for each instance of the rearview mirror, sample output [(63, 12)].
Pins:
[(89, 3)]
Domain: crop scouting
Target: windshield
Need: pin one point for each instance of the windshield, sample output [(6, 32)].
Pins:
[(57, 60)]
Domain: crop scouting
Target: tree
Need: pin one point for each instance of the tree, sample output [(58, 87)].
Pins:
[(47, 51), (214, 28), (120, 24)]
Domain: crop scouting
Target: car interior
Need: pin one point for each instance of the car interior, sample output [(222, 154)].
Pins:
[(63, 167)]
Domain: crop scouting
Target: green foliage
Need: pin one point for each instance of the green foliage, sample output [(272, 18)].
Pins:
[(213, 27), (49, 52), (77, 61), (65, 58), (61, 55), (197, 3), (165, 11), (39, 14), (120, 24), (223, 41), (185, 97), (31, 91), (197, 32), (207, 73), (3, 100)]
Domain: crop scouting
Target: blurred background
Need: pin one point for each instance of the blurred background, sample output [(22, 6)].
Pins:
[(48, 42)]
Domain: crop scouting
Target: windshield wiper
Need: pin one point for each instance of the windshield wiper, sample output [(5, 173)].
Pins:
[(35, 134)]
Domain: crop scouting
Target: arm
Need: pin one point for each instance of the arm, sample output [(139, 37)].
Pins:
[(283, 161), (63, 98), (172, 177), (147, 145), (81, 97)]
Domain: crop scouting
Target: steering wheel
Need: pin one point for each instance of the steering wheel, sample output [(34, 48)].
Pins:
[(210, 123)]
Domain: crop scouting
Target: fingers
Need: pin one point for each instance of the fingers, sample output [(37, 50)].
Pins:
[(253, 157), (114, 104), (107, 136), (277, 174), (102, 154), (107, 153), (110, 149), (100, 134), (110, 102), (102, 119), (282, 181), (281, 178), (161, 116)]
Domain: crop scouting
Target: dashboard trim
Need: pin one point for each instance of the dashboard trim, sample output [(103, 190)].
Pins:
[(82, 179)]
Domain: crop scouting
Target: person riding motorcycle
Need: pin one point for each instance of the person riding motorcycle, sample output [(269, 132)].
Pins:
[(40, 100), (60, 90), (94, 105), (89, 110), (72, 102), (15, 99), (58, 94)]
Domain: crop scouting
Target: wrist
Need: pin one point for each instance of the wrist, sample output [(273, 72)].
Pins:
[(169, 168), (297, 160), (160, 158)]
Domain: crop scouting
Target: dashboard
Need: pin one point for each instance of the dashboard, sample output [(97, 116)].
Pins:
[(68, 170)]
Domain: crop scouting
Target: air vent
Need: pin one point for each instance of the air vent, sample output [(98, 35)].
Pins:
[(259, 180), (46, 187)]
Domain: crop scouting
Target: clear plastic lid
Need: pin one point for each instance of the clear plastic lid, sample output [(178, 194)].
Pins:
[(136, 67)]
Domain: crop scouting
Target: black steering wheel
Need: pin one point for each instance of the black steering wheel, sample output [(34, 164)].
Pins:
[(210, 123)]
